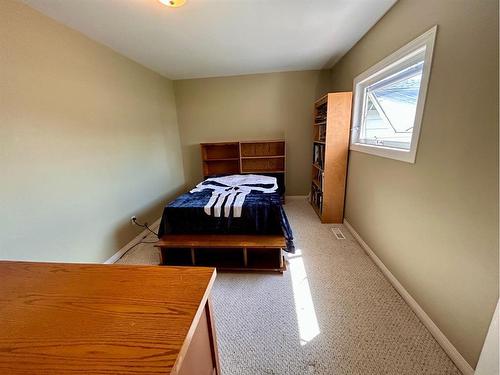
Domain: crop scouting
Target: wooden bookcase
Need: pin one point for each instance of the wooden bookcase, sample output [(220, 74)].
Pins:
[(243, 157), (332, 118)]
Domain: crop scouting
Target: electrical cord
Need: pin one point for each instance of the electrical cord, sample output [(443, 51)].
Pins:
[(128, 250), (145, 225)]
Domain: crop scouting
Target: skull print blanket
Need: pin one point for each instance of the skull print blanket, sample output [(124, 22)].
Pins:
[(236, 204)]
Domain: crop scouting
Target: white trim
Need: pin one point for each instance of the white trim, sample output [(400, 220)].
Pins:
[(132, 243), (440, 337), (488, 363), (388, 64)]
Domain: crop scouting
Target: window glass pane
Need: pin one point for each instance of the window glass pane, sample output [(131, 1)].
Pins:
[(390, 106)]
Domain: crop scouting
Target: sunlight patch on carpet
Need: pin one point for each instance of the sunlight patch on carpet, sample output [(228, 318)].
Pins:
[(304, 306)]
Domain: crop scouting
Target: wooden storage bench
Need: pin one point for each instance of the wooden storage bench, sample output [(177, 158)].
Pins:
[(225, 252)]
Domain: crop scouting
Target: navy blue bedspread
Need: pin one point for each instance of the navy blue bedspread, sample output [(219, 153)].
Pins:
[(262, 213)]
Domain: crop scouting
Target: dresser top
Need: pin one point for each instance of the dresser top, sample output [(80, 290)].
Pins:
[(94, 319)]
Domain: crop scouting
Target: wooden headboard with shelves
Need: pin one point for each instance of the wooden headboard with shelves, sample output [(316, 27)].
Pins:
[(257, 157)]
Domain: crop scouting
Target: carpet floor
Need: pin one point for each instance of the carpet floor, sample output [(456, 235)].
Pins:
[(332, 312)]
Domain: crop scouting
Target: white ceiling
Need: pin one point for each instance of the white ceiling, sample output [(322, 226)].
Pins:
[(208, 38)]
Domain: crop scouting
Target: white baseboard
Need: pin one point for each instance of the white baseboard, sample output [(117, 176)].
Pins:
[(440, 337), (489, 363), (132, 243)]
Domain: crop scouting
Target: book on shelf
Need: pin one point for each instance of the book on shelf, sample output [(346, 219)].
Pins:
[(321, 112), (317, 197), (318, 178), (322, 133), (319, 155)]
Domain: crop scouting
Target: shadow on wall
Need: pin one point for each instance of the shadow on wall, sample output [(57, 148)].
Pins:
[(193, 154), (296, 98), (152, 212), (251, 107), (324, 84)]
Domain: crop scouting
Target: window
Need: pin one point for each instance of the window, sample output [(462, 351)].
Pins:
[(389, 101)]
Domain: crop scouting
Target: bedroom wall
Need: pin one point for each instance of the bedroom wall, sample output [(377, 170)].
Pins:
[(434, 223), (87, 139), (251, 107)]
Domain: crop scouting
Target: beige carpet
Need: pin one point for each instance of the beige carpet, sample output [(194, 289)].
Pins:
[(332, 312)]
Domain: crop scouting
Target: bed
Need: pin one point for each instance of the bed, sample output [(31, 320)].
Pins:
[(216, 211)]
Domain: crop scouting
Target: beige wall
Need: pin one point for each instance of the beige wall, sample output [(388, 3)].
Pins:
[(87, 139), (250, 107), (435, 223)]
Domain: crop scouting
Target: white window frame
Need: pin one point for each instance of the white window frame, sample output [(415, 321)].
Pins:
[(392, 64)]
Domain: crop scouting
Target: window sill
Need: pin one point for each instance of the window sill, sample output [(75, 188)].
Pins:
[(385, 152)]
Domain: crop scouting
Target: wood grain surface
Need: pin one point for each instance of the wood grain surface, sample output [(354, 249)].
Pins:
[(98, 319), (221, 240)]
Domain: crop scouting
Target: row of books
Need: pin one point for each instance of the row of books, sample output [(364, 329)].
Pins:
[(316, 197), (321, 133), (319, 155), (321, 114), (318, 178)]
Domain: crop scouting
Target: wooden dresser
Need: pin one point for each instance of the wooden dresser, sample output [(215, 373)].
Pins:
[(106, 319)]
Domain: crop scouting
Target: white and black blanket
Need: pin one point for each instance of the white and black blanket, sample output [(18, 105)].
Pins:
[(236, 204)]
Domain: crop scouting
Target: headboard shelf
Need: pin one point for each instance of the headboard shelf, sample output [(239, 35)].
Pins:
[(223, 158)]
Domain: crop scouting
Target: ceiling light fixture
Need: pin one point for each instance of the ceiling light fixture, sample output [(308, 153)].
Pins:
[(173, 3)]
